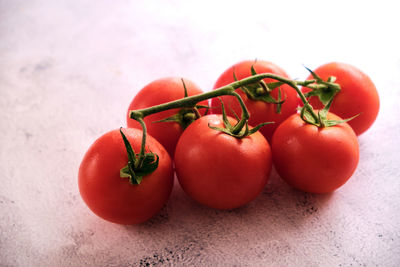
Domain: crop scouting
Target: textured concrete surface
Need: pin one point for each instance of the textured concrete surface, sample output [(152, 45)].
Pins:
[(69, 69)]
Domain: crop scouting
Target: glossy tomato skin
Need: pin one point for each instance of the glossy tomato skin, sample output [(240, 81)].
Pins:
[(358, 95), (312, 159), (218, 170), (157, 92), (259, 111), (113, 198)]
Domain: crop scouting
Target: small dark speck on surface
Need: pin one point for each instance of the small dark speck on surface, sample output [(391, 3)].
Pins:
[(355, 262), (307, 202), (179, 254), (240, 211), (5, 200), (28, 135), (41, 66), (38, 67)]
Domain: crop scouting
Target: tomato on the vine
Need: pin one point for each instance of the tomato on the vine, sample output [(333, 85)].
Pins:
[(358, 95), (260, 111), (314, 159), (158, 92), (219, 170), (114, 198)]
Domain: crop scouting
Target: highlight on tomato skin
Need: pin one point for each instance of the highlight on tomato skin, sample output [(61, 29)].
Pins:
[(260, 111), (158, 92), (219, 170), (315, 159), (358, 95), (114, 198)]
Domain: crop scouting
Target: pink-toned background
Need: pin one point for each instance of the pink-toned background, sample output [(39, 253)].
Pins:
[(69, 69)]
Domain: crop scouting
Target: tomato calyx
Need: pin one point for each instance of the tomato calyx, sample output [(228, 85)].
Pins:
[(136, 169), (185, 115), (320, 119), (233, 130), (261, 91), (324, 90)]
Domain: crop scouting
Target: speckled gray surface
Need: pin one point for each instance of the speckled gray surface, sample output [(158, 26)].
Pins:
[(69, 69)]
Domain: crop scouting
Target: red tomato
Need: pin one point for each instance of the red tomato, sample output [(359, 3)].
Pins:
[(158, 92), (312, 159), (114, 198), (218, 170), (358, 95), (260, 111)]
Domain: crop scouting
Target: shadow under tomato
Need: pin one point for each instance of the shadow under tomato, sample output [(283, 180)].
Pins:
[(286, 197), (278, 204)]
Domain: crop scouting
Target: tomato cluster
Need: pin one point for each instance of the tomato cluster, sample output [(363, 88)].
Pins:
[(218, 163)]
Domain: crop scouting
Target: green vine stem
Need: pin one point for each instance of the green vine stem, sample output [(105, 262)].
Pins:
[(191, 101), (139, 162), (229, 89)]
